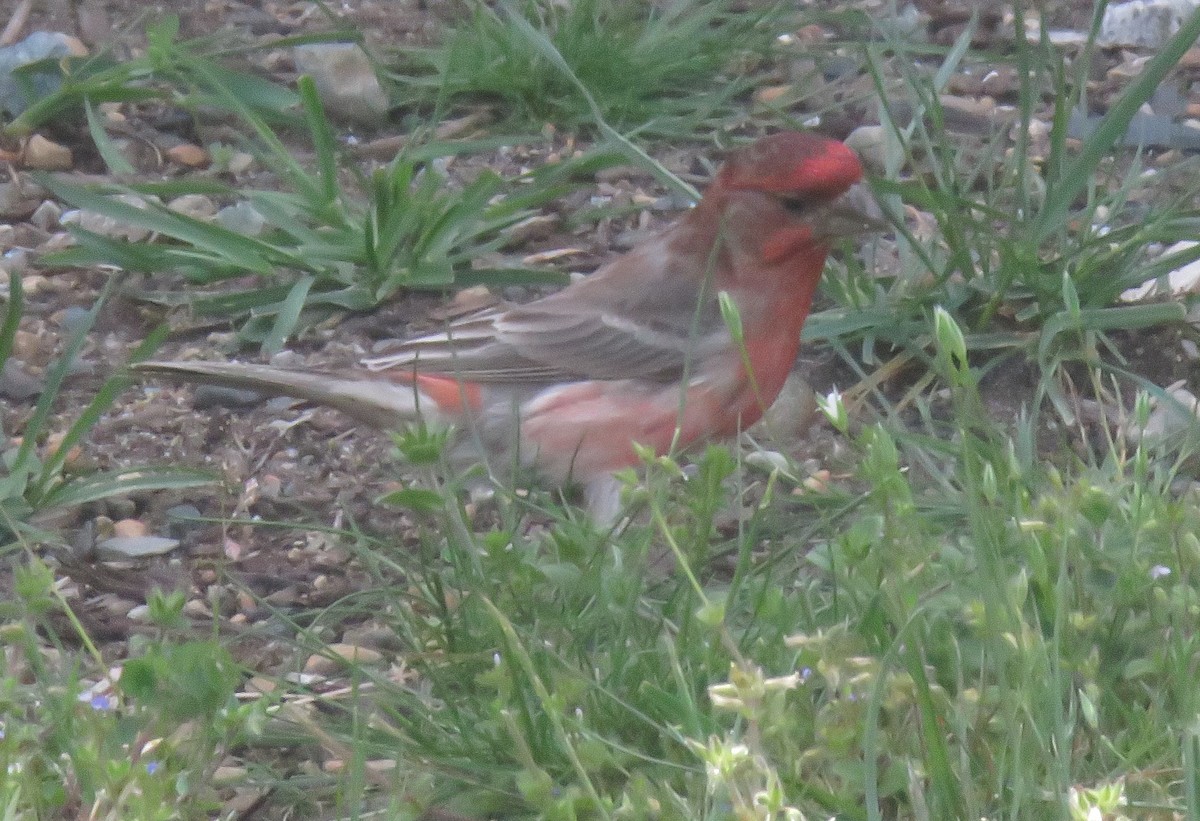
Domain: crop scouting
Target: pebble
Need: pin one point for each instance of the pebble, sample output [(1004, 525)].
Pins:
[(342, 654), (196, 609), (34, 284), (16, 262), (372, 636), (139, 613), (39, 45), (770, 94), (818, 482), (133, 547), (178, 524), (284, 597), (1190, 59), (16, 383), (378, 766), (1177, 283), (44, 154), (539, 226), (18, 200), (287, 359), (120, 507), (189, 156), (72, 319), (58, 241), (226, 774), (330, 557), (1143, 130), (840, 66), (130, 529), (1143, 23), (114, 605), (1168, 417), (196, 206), (242, 218), (768, 461), (28, 345), (240, 162), (54, 443), (46, 215), (1001, 82), (218, 396), (345, 79), (107, 226), (792, 412), (870, 143)]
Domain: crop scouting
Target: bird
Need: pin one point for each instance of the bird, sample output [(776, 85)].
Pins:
[(639, 353)]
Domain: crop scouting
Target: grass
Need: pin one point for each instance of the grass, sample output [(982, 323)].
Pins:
[(326, 249), (35, 477), (672, 68), (971, 616)]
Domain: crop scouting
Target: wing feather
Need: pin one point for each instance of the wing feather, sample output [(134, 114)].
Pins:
[(611, 325), (525, 345)]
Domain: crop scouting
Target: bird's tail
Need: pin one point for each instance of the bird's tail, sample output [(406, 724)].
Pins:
[(374, 399)]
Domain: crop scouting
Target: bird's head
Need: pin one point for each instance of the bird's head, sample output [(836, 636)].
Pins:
[(793, 164), (794, 191)]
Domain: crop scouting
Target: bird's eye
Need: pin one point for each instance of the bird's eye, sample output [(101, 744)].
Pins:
[(795, 204)]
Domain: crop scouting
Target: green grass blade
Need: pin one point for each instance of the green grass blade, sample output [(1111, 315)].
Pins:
[(114, 159), (1079, 171), (289, 313), (12, 318), (126, 481), (323, 140)]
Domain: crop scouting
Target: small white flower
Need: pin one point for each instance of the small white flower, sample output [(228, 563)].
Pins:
[(834, 409)]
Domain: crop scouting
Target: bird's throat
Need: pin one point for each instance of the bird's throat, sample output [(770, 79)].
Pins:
[(792, 242)]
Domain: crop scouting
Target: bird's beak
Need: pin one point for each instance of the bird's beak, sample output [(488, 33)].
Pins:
[(854, 213)]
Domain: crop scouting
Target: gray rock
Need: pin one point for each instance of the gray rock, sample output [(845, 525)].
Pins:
[(180, 520), (1143, 23), (134, 547), (74, 319), (1145, 130), (19, 200), (196, 206), (46, 215), (35, 47), (216, 396), (15, 262), (870, 143), (243, 218), (16, 383), (100, 223), (345, 79)]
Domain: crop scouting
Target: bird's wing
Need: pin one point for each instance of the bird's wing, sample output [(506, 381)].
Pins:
[(645, 315), (564, 339)]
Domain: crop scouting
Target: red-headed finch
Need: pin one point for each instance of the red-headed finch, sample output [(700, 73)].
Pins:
[(638, 352)]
